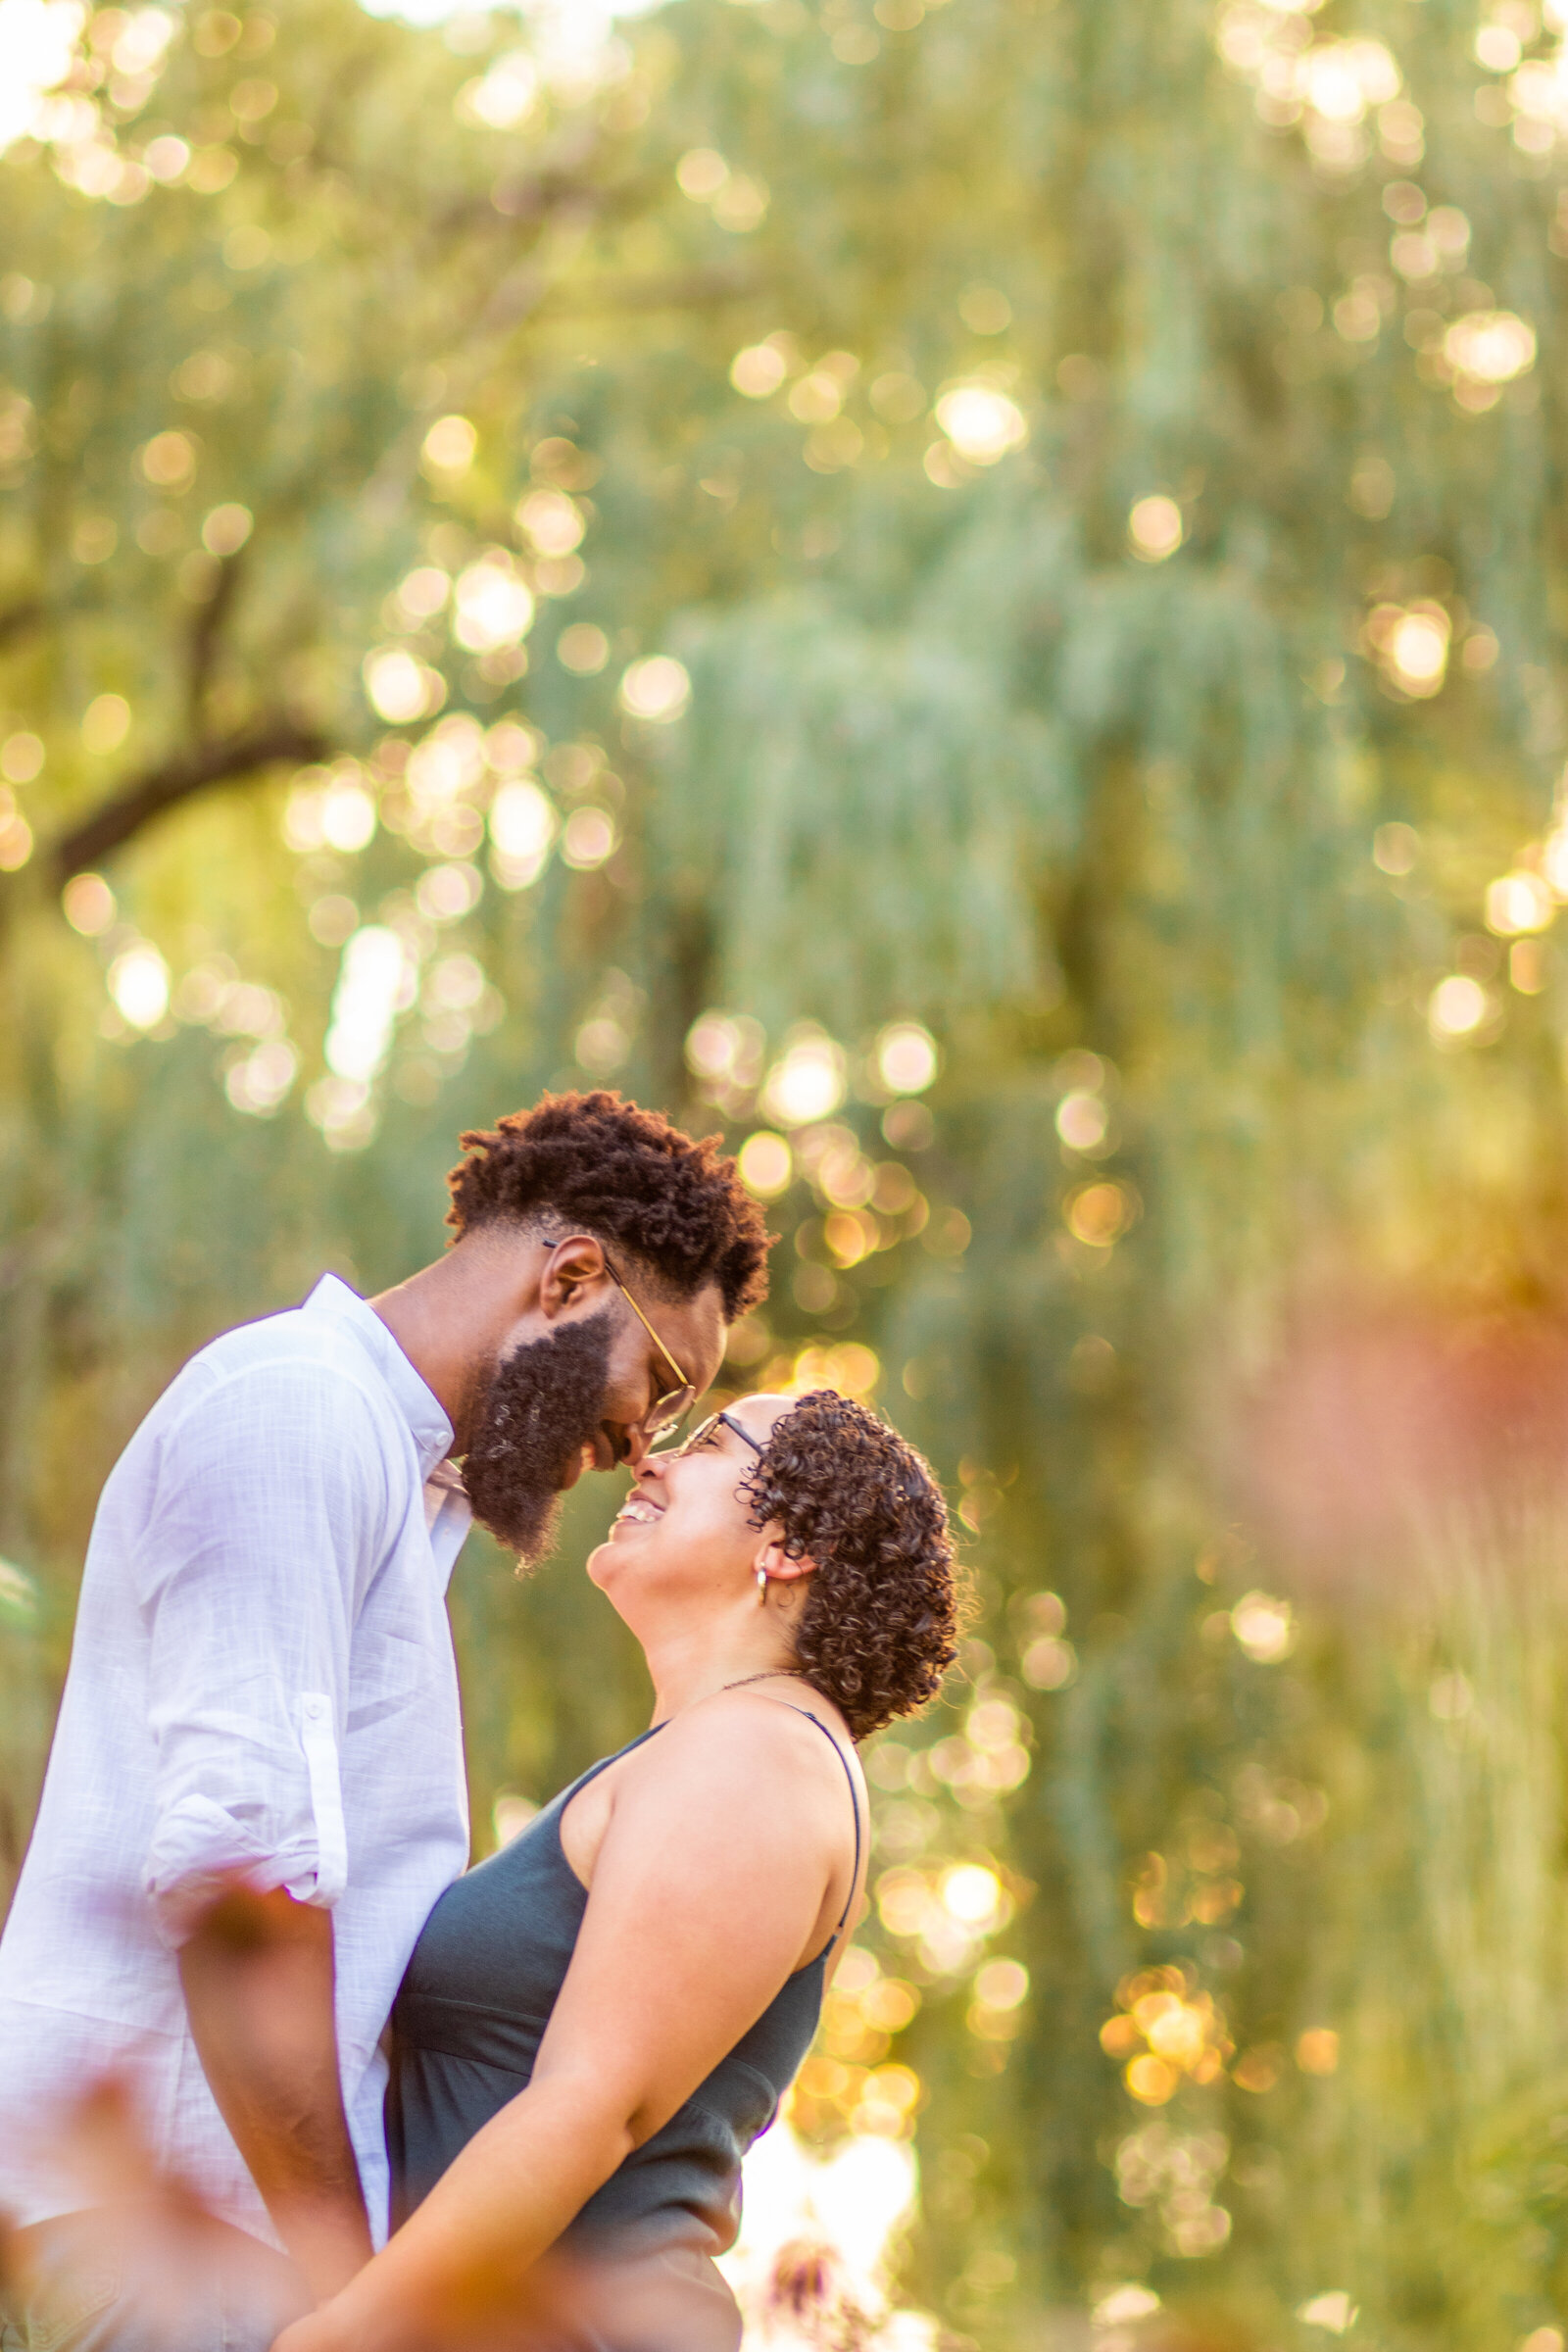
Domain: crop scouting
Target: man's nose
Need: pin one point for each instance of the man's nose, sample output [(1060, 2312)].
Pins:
[(635, 1445)]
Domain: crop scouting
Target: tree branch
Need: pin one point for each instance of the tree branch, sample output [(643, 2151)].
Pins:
[(206, 628), (227, 760)]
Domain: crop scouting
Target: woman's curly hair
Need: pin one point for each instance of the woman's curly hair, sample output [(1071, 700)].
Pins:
[(880, 1624), (628, 1176)]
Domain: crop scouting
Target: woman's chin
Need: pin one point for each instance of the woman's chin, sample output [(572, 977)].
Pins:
[(599, 1564), (608, 1570), (604, 1562)]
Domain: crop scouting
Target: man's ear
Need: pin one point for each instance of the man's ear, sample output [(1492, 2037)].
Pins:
[(782, 1567), (573, 1269)]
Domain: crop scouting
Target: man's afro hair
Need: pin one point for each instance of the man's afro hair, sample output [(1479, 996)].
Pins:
[(600, 1165)]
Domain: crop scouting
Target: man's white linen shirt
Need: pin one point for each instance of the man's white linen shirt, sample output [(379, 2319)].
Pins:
[(261, 1681)]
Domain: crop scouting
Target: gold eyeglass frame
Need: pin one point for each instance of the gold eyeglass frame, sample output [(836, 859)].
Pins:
[(674, 1404)]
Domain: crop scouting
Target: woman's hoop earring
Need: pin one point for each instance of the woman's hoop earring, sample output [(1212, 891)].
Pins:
[(761, 1586)]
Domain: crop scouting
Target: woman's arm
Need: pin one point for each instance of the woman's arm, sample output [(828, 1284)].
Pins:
[(721, 1858)]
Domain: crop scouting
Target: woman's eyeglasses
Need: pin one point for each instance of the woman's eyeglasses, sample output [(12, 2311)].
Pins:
[(702, 1435)]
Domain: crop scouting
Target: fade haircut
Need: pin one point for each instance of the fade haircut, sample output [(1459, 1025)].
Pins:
[(627, 1176)]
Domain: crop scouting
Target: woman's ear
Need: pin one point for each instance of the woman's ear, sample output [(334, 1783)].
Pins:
[(781, 1567)]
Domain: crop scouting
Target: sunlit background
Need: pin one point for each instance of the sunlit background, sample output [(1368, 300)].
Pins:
[(971, 593)]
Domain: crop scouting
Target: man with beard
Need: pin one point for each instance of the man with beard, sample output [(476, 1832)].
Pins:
[(256, 1791)]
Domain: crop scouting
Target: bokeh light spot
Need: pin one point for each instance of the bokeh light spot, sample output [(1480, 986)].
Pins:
[(89, 904), (1264, 1627), (226, 530), (582, 649), (20, 756), (807, 1082), (906, 1058), (759, 370), (1457, 1006), (766, 1164), (1518, 903), (138, 983), (588, 838), (971, 1893), (449, 446), (656, 688), (400, 687), (1155, 528), (982, 423)]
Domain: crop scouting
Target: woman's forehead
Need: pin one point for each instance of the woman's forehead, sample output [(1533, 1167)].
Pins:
[(762, 1413)]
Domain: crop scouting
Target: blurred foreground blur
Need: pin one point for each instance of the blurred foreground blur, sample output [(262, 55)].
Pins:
[(140, 2262), (971, 591)]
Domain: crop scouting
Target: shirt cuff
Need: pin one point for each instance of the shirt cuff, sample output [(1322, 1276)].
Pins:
[(200, 1846)]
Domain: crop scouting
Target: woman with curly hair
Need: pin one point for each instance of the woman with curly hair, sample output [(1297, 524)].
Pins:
[(599, 2020)]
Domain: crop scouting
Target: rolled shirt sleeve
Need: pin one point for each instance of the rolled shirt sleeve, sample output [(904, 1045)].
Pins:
[(269, 1520)]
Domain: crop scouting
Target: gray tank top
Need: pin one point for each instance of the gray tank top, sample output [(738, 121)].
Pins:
[(471, 2012)]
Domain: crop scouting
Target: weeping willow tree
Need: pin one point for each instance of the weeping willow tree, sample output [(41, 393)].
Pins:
[(973, 591)]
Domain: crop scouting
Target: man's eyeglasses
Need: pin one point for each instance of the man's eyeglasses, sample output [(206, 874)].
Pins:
[(672, 1406)]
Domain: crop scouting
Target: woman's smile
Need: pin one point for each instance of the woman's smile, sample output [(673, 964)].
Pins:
[(640, 1509)]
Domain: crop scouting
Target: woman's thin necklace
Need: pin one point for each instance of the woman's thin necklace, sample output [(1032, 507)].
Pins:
[(768, 1673)]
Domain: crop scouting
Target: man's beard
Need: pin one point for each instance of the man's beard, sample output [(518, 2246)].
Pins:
[(537, 1409)]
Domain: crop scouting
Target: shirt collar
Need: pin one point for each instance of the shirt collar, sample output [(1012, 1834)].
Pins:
[(429, 1425)]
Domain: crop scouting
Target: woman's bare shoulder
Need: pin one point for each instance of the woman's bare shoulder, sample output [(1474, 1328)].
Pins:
[(753, 1735)]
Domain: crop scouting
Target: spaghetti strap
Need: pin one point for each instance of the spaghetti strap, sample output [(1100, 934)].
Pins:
[(855, 1807)]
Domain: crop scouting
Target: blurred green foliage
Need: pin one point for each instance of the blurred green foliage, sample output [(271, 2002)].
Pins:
[(306, 317)]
